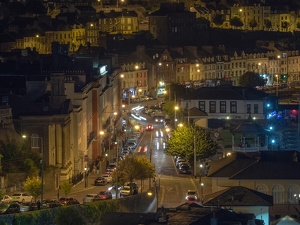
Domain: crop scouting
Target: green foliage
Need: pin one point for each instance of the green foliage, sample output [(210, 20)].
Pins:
[(131, 168), (176, 91), (44, 217), (253, 23), (218, 19), (33, 186), (251, 79), (169, 108), (69, 215), (66, 187), (181, 143), (12, 152), (94, 211), (268, 24), (285, 25), (30, 168), (236, 22)]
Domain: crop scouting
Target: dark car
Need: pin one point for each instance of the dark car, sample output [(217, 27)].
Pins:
[(100, 181), (68, 201), (51, 203), (9, 208), (28, 206), (185, 169)]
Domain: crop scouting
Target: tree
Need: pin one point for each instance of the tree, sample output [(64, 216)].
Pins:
[(236, 22), (253, 23), (33, 186), (218, 20), (268, 24), (69, 216), (66, 187), (285, 25), (176, 91), (146, 169), (181, 143), (30, 168), (251, 79)]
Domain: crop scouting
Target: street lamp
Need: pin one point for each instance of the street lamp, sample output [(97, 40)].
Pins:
[(180, 125), (176, 108), (201, 184), (85, 180), (277, 85), (42, 148)]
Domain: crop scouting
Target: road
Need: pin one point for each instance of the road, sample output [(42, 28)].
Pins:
[(173, 185)]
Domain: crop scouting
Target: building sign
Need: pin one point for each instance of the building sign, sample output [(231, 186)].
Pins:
[(103, 70)]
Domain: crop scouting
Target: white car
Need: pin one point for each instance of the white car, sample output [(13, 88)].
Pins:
[(21, 197), (6, 199), (108, 177)]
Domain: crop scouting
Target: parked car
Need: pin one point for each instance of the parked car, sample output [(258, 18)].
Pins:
[(68, 201), (179, 160), (191, 196), (112, 166), (6, 199), (51, 203), (89, 198), (9, 208), (129, 189), (100, 181), (104, 195), (185, 169), (28, 206), (21, 197), (108, 177)]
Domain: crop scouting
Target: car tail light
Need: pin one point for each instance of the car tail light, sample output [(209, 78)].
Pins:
[(18, 197)]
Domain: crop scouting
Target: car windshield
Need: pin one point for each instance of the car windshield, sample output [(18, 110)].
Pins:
[(4, 206), (103, 193), (191, 198), (16, 195), (191, 193)]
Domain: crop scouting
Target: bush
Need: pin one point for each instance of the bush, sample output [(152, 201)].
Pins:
[(69, 215), (95, 210), (43, 217)]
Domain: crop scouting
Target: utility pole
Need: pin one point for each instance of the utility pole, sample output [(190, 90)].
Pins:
[(195, 152), (150, 156), (117, 169)]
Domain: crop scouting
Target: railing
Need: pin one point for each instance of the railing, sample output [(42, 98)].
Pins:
[(76, 178)]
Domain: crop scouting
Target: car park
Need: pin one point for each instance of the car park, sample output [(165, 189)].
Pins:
[(100, 181), (191, 196), (28, 206), (51, 203), (89, 198), (6, 199), (21, 197), (68, 201), (9, 208), (105, 195)]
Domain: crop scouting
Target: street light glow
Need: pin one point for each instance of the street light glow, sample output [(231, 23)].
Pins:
[(136, 127), (167, 129), (115, 113), (123, 106), (133, 96), (201, 165), (101, 132), (181, 125), (136, 67), (176, 108), (140, 90), (202, 184), (23, 136), (159, 64), (92, 25), (122, 75)]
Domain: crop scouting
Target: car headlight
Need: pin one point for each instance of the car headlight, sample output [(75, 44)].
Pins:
[(195, 197), (186, 197)]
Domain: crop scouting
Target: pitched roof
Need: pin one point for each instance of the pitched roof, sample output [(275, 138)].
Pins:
[(238, 196), (196, 112), (223, 92)]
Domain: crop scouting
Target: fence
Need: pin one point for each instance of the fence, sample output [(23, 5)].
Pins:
[(76, 178)]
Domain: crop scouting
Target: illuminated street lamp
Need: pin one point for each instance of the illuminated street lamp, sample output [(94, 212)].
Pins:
[(42, 149), (180, 125), (167, 129), (122, 75), (277, 85), (136, 127), (176, 108)]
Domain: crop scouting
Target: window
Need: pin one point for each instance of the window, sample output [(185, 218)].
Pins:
[(255, 108), (262, 188), (137, 74), (293, 194), (34, 140), (222, 107), (137, 83), (248, 108), (233, 107), (202, 105), (212, 106), (277, 193)]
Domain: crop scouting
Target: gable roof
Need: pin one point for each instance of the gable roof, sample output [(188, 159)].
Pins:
[(238, 196), (196, 112)]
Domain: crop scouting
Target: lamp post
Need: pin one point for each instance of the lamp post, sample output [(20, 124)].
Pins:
[(42, 148), (277, 85), (201, 184), (85, 180), (117, 170), (176, 108), (109, 140)]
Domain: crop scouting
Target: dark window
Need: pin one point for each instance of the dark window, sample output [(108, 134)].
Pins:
[(248, 108), (255, 108), (233, 107), (202, 105), (222, 107), (212, 106)]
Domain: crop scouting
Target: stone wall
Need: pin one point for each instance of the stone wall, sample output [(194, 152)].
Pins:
[(51, 179), (14, 179)]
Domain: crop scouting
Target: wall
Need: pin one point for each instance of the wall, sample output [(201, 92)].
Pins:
[(13, 179), (136, 203), (260, 212)]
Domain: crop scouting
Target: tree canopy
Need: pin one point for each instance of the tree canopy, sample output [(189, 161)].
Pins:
[(251, 79), (66, 188), (236, 22), (33, 186), (253, 23), (181, 143), (218, 19)]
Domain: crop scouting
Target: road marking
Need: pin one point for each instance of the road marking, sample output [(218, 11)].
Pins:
[(169, 189), (145, 149)]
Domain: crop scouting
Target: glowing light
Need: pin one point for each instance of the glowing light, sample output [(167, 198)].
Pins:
[(176, 107), (101, 132), (122, 75), (181, 125), (115, 113)]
